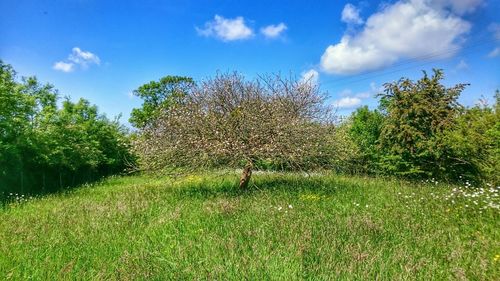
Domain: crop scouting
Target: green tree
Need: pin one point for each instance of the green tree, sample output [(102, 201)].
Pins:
[(365, 126), (417, 114), (12, 121), (475, 143), (158, 95), (43, 147)]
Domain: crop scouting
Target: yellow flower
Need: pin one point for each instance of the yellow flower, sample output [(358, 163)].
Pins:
[(496, 258)]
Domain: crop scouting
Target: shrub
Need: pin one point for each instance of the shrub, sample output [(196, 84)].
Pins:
[(417, 115), (44, 148), (364, 127), (475, 143)]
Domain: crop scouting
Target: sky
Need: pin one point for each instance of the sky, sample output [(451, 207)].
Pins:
[(103, 50)]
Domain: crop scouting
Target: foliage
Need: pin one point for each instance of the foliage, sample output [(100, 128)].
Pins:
[(228, 121), (43, 147), (364, 127), (475, 142), (417, 114), (158, 96), (419, 131)]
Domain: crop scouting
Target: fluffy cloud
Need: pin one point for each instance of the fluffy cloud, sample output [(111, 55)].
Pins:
[(83, 58), (310, 76), (347, 102), (459, 7), (404, 29), (462, 65), (494, 53), (226, 29), (77, 58), (495, 29), (273, 31), (64, 66), (351, 100), (350, 14)]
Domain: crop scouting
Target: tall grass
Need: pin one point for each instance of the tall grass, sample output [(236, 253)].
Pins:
[(288, 226)]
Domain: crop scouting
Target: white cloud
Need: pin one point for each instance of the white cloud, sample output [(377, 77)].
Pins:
[(64, 66), (462, 65), (347, 102), (77, 58), (495, 28), (273, 31), (83, 58), (350, 14), (310, 76), (374, 90), (226, 29), (459, 7), (405, 29), (494, 53), (349, 99)]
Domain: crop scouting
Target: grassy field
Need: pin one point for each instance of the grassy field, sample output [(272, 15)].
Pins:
[(287, 227)]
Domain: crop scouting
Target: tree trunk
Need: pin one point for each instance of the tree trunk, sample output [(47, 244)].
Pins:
[(245, 176)]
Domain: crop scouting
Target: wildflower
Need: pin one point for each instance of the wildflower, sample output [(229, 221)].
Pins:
[(290, 207), (496, 258), (309, 197)]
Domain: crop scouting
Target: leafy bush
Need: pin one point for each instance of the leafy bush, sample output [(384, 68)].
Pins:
[(417, 115), (475, 143), (364, 127), (422, 131), (45, 148)]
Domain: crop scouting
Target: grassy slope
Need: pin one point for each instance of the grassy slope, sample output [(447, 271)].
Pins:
[(288, 227)]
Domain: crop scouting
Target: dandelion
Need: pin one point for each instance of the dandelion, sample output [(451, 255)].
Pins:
[(496, 258)]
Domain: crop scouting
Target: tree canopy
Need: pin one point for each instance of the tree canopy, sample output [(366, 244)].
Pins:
[(158, 95), (44, 147), (234, 122)]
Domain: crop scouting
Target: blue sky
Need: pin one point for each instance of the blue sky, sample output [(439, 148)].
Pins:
[(103, 50)]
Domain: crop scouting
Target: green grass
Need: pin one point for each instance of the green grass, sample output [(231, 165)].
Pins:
[(287, 227)]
